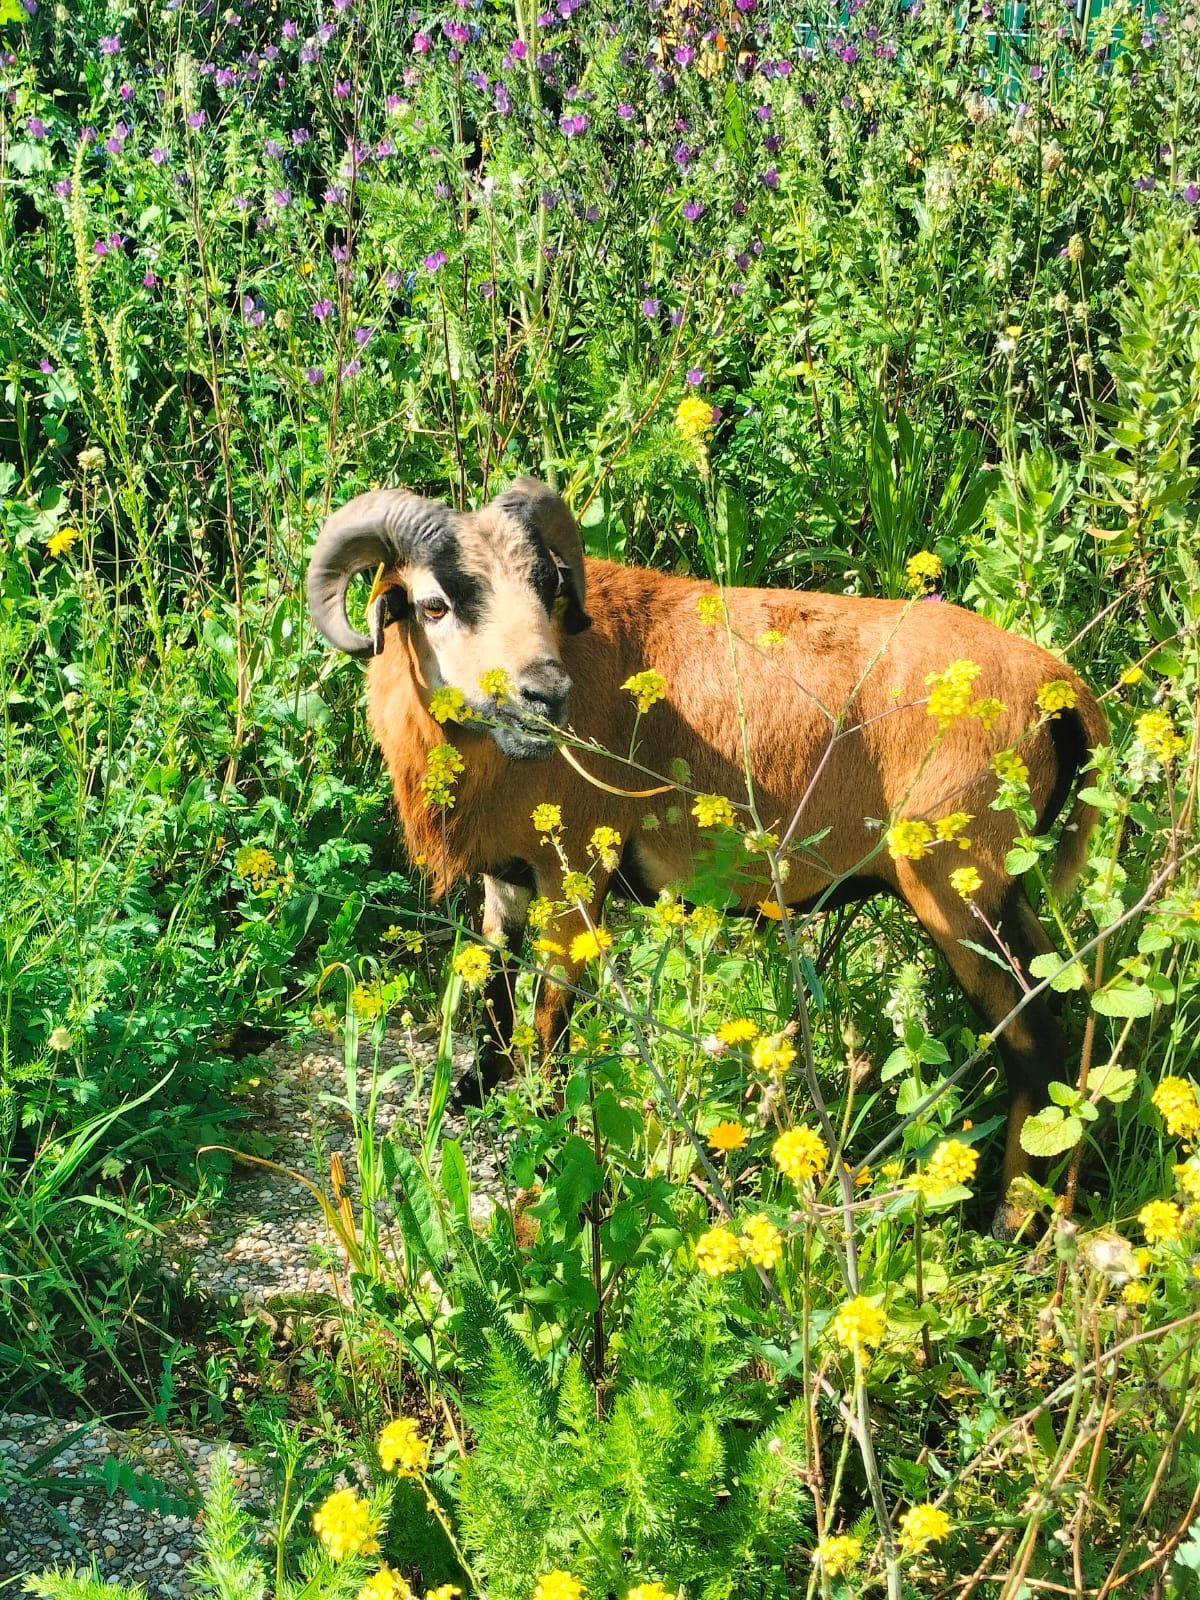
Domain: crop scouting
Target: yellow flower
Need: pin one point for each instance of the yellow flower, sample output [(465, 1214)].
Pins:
[(800, 1153), (443, 764), (704, 920), (588, 945), (761, 1240), (540, 913), (646, 688), (557, 1585), (710, 608), (61, 541), (909, 840), (549, 947), (366, 1001), (952, 1163), (449, 705), (921, 1526), (1156, 733), (858, 1325), (402, 1449), (345, 1526), (1056, 696), (726, 1136), (769, 908), (472, 964), (713, 811), (546, 818), (667, 914), (1175, 1101), (773, 1054), (923, 571), (256, 865), (648, 1591), (965, 881), (605, 843), (718, 1252), (1187, 1179), (1135, 1293), (693, 418), (771, 639), (759, 841), (1161, 1221), (386, 1584), (496, 684), (577, 886), (1009, 768), (1131, 675), (837, 1551), (950, 691), (740, 1031), (444, 1591), (949, 828), (989, 710)]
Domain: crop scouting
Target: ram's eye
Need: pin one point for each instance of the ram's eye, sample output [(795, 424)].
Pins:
[(434, 610)]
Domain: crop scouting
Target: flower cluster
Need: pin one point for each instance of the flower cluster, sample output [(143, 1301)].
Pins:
[(922, 571), (1055, 697), (859, 1326), (256, 865), (713, 811), (761, 1240), (557, 1585), (950, 691), (921, 1526), (547, 818), (718, 1251), (443, 763), (1009, 768), (402, 1447), (710, 608), (909, 839), (949, 830), (449, 705), (965, 881), (346, 1525), (837, 1551), (1175, 1101), (1161, 1221), (605, 845), (1157, 734), (496, 684), (647, 688), (386, 1584), (472, 964), (773, 1054), (951, 1164), (800, 1153), (693, 418)]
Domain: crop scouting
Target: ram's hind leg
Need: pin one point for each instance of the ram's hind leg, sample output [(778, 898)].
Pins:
[(505, 903), (1031, 1046)]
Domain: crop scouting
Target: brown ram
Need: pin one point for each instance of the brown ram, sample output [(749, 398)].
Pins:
[(830, 717)]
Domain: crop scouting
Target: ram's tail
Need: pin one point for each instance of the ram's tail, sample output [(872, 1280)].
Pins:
[(1076, 734)]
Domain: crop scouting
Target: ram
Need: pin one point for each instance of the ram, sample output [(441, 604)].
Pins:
[(864, 732)]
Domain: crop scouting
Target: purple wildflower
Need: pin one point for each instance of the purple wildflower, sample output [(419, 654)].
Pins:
[(299, 136), (1191, 193), (110, 44), (362, 336), (321, 309), (46, 366), (434, 261), (684, 55), (197, 119), (769, 179), (275, 148), (159, 156), (36, 127), (695, 376), (149, 281), (314, 376), (420, 44), (576, 124), (335, 195), (252, 312), (693, 209), (289, 29), (518, 49), (126, 91), (624, 110), (282, 198), (63, 188), (651, 307)]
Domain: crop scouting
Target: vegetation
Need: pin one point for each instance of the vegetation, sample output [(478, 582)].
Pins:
[(901, 301)]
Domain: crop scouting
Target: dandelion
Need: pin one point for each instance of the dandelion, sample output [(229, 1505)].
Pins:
[(558, 1585), (1156, 733), (1009, 768), (922, 571), (950, 691), (496, 684), (345, 1525), (921, 1526), (772, 1055), (1175, 1101), (738, 1031), (472, 964), (1055, 697), (386, 1584), (443, 764), (1131, 675), (965, 881), (710, 608), (647, 688), (448, 704), (800, 1153), (256, 865), (402, 1449), (58, 543), (724, 1137), (693, 419), (713, 811), (909, 840), (837, 1551), (547, 818), (549, 947), (717, 1252), (761, 1241), (588, 945), (1161, 1221), (770, 909), (605, 845), (859, 1325)]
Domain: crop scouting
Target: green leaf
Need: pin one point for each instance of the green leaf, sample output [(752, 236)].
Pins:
[(1047, 966), (1050, 1132), (1112, 1082), (1124, 1000), (1018, 861)]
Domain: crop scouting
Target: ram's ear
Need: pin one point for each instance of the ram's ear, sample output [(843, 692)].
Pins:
[(386, 603), (549, 516)]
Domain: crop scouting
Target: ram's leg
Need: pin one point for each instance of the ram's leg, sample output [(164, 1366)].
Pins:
[(556, 995), (1032, 1046), (505, 902)]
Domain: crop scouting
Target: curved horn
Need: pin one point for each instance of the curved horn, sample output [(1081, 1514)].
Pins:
[(548, 513), (383, 525)]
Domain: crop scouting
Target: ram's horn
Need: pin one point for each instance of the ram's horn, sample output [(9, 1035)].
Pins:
[(537, 505)]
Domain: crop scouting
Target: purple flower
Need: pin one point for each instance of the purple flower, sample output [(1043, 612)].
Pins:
[(158, 155), (434, 261), (149, 281), (100, 248), (126, 91), (1191, 193), (289, 29), (624, 110), (326, 32), (849, 55), (773, 143), (282, 198), (63, 188), (352, 368), (693, 209), (684, 55), (309, 55), (683, 156), (299, 136), (1037, 73), (87, 135), (37, 128), (384, 149), (769, 179), (226, 78), (110, 44), (114, 144), (576, 124), (197, 119), (651, 307), (1144, 185), (392, 104), (677, 317), (362, 336), (343, 88), (420, 44), (275, 149), (314, 376), (503, 99), (487, 288), (695, 376), (340, 254), (456, 31), (46, 366), (321, 309), (518, 49), (763, 113), (252, 313)]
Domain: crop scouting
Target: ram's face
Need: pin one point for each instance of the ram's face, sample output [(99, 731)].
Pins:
[(483, 606)]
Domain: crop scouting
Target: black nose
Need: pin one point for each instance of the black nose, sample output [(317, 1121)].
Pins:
[(545, 690)]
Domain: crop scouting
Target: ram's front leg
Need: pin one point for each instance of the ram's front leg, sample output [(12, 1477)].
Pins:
[(565, 946), (505, 902)]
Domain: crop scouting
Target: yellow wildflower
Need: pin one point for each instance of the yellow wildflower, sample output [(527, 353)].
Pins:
[(761, 1240), (740, 1031), (646, 688), (495, 684), (402, 1449), (773, 1054), (648, 1591), (1056, 696), (771, 639), (769, 908), (921, 1526), (1131, 675), (366, 1001), (949, 829), (965, 881), (713, 811), (988, 710), (704, 920), (549, 947), (693, 418), (667, 914), (923, 571), (837, 1551), (443, 764), (577, 886), (952, 1163), (1161, 1221), (605, 844), (345, 1526), (726, 1136), (950, 691), (718, 1252), (710, 608), (909, 840), (540, 913), (1187, 1179), (386, 1584), (587, 946), (1135, 1293), (256, 865), (557, 1585), (1009, 768), (61, 541), (449, 705), (1175, 1101), (444, 1591), (546, 818), (472, 964), (858, 1325), (1156, 733), (800, 1153)]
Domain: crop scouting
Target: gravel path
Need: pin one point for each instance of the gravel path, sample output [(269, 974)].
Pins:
[(265, 1249)]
